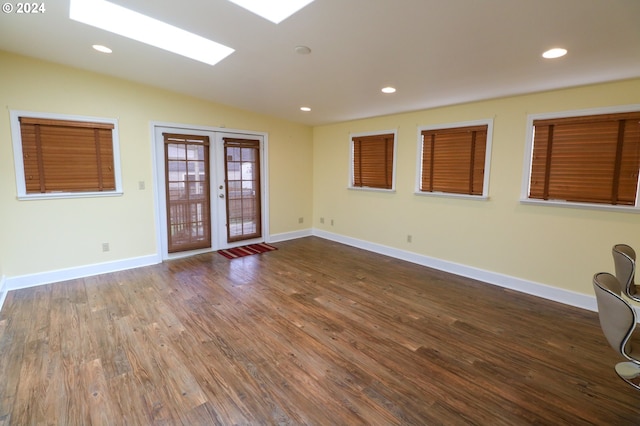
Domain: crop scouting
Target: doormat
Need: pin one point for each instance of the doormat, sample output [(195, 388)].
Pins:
[(236, 252)]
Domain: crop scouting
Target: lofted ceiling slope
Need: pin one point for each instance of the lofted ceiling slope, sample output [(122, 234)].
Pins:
[(435, 52)]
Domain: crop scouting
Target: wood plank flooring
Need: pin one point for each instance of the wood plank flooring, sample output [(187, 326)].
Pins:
[(314, 333)]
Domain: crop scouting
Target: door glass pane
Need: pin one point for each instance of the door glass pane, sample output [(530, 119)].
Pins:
[(243, 183), (187, 182)]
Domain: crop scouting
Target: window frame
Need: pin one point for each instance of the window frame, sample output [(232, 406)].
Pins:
[(16, 136), (528, 153), (487, 159), (394, 132)]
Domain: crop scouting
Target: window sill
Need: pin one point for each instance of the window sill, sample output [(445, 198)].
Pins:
[(451, 195), (584, 206), (366, 188), (61, 195)]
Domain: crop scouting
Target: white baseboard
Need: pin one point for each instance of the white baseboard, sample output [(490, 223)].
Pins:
[(3, 290), (42, 278), (275, 238), (529, 287), (32, 280)]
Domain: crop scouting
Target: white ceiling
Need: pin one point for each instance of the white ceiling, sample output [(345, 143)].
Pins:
[(436, 52)]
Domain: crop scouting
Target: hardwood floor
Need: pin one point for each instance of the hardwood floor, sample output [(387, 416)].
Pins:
[(314, 333)]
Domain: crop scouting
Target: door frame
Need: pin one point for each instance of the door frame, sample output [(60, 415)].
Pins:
[(157, 143)]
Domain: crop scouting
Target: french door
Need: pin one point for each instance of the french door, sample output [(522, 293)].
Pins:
[(210, 189), (187, 192), (243, 207)]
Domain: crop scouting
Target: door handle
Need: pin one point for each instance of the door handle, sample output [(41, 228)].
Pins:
[(221, 195)]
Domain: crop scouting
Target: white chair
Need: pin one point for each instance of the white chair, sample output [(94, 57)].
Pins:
[(624, 258), (618, 322)]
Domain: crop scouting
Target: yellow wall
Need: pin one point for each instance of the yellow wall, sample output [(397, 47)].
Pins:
[(309, 172), (561, 247), (48, 235)]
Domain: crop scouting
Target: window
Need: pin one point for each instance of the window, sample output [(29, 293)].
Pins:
[(64, 156), (373, 160), (454, 159), (592, 159)]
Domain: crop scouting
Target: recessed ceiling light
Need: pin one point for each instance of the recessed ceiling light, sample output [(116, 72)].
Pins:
[(388, 89), (117, 19), (274, 11), (101, 48), (554, 53), (305, 109)]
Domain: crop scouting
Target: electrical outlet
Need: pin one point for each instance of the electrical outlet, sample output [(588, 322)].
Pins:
[(322, 220), (409, 238), (331, 222), (300, 219), (141, 185), (105, 246)]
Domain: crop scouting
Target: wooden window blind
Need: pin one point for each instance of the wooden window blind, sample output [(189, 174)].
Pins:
[(591, 159), (67, 156), (453, 160), (373, 161)]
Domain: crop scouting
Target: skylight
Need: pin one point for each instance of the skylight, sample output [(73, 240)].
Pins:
[(275, 11), (125, 22)]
